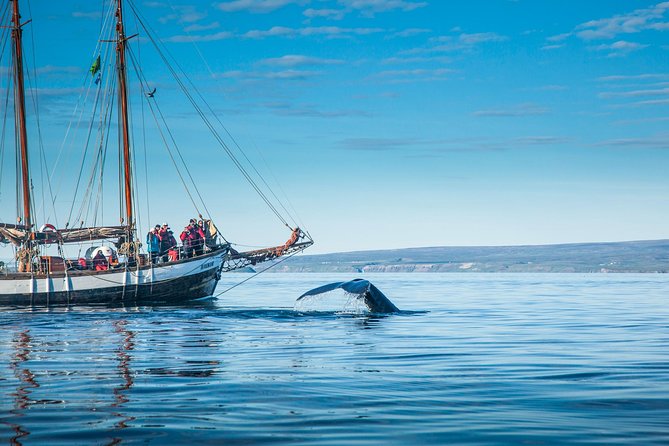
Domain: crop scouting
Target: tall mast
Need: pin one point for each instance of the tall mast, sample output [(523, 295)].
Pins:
[(123, 110), (20, 110)]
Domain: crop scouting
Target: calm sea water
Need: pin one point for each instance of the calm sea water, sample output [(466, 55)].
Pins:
[(473, 359)]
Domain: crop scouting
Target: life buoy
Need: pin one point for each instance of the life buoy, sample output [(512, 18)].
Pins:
[(46, 226)]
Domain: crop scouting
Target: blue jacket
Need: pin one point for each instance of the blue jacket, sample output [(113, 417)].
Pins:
[(152, 242)]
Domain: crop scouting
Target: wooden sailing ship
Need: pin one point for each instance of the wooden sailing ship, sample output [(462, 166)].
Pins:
[(41, 277)]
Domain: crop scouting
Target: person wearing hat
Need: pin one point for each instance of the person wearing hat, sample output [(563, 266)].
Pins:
[(185, 239), (167, 241), (153, 243)]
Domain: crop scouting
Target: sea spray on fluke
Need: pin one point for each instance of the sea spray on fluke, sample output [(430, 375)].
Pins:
[(357, 292)]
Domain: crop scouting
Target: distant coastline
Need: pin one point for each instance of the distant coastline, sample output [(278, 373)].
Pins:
[(649, 256)]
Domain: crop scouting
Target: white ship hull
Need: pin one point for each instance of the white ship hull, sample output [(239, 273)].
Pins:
[(169, 283)]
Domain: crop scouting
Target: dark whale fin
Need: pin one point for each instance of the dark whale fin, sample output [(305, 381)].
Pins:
[(373, 298)]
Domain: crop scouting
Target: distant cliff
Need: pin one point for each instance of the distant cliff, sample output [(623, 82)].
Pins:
[(623, 257)]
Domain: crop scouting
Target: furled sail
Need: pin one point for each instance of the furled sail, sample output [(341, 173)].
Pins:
[(17, 234)]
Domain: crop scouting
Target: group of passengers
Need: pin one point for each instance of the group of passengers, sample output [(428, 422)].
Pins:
[(162, 245)]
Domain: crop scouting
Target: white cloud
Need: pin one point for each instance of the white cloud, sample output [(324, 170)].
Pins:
[(52, 69), (327, 31), (626, 77), (365, 7), (516, 111), (651, 142), (619, 48), (476, 38), (87, 15), (373, 6), (201, 38), (415, 60), (196, 27), (256, 6), (552, 47), (633, 22), (293, 60), (411, 32), (332, 14), (414, 75), (635, 93), (271, 75), (458, 42)]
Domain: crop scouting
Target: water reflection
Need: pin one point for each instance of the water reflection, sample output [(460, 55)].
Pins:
[(21, 345), (121, 392)]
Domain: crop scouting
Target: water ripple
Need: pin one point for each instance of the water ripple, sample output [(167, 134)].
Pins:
[(472, 359)]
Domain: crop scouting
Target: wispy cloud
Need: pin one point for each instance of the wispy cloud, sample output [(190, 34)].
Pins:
[(634, 93), (415, 60), (186, 14), (414, 75), (53, 69), (540, 140), (384, 144), (634, 77), (256, 6), (457, 42), (516, 111), (367, 8), (311, 111), (91, 15), (619, 48), (294, 60), (197, 27), (639, 20), (633, 22), (476, 38), (447, 144), (222, 35), (552, 87), (371, 7), (332, 14), (552, 47), (410, 32), (325, 31), (288, 75), (651, 142)]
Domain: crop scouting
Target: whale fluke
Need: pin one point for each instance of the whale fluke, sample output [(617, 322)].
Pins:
[(373, 298)]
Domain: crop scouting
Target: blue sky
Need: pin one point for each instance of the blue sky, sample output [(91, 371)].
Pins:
[(401, 123)]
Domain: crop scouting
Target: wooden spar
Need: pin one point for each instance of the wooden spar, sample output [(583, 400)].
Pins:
[(123, 111), (20, 107)]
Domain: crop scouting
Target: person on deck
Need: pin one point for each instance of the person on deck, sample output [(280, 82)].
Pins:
[(100, 262), (168, 244), (196, 238), (153, 243), (185, 240), (164, 241), (173, 250)]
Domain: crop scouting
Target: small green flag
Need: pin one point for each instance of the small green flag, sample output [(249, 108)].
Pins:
[(95, 67)]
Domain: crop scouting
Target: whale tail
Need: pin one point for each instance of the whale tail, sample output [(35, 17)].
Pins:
[(363, 289)]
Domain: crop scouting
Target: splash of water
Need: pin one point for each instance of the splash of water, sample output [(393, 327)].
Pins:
[(336, 301)]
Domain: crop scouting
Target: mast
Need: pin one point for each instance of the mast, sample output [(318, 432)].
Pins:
[(123, 112), (20, 110)]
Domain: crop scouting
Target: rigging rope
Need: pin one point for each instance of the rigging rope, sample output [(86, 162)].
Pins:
[(258, 273), (197, 49), (143, 83), (204, 118)]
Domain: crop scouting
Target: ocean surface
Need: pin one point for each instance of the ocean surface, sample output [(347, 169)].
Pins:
[(536, 359)]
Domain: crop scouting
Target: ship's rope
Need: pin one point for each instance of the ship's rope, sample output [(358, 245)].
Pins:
[(258, 273), (44, 171), (153, 107), (295, 221), (203, 117)]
